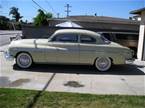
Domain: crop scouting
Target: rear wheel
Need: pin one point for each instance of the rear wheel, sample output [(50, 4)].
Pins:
[(103, 63), (24, 60)]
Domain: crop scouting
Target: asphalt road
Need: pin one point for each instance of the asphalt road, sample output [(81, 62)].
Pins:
[(5, 36), (124, 79)]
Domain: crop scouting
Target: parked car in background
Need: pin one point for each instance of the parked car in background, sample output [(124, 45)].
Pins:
[(69, 46)]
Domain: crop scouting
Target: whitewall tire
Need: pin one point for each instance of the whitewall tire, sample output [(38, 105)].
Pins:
[(24, 60), (103, 63)]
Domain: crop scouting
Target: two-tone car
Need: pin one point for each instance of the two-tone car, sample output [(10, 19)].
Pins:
[(69, 46)]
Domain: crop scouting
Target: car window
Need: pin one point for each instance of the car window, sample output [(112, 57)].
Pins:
[(87, 39), (105, 40), (66, 38), (107, 36)]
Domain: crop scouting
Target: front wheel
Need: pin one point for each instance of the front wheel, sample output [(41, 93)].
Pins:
[(24, 60), (103, 63)]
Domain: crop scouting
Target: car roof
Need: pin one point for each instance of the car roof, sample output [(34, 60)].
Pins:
[(77, 31), (112, 32)]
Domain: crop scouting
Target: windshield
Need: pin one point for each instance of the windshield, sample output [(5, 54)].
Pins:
[(105, 40)]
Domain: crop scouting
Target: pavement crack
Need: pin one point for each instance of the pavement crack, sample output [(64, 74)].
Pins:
[(32, 103), (131, 88)]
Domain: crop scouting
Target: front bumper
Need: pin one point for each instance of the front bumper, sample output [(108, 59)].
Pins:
[(8, 56)]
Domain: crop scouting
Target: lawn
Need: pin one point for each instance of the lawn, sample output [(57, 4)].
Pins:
[(16, 98)]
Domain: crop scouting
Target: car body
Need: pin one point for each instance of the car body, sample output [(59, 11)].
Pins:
[(69, 46), (128, 39)]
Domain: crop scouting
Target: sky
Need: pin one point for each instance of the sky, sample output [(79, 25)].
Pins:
[(113, 8)]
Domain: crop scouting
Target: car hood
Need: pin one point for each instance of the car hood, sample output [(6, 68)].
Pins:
[(27, 42)]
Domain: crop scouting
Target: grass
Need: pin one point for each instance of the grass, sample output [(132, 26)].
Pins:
[(16, 98)]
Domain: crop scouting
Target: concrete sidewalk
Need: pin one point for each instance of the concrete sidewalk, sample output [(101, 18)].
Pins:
[(124, 79)]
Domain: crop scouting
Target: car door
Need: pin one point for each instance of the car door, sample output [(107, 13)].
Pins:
[(87, 49), (67, 48), (50, 53), (44, 51)]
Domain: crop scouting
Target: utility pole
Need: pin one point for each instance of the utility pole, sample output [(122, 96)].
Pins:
[(95, 14), (68, 9), (58, 15)]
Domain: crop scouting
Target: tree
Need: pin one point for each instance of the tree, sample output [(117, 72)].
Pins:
[(15, 14), (41, 18), (4, 22)]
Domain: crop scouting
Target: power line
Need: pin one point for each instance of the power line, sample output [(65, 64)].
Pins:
[(51, 7), (39, 6), (35, 7), (58, 15), (67, 9)]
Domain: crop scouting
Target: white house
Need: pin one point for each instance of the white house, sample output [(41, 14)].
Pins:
[(141, 42)]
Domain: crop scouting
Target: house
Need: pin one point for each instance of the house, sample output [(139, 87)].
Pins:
[(100, 23), (94, 23), (141, 41)]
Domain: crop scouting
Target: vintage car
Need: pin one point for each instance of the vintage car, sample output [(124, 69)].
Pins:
[(69, 46)]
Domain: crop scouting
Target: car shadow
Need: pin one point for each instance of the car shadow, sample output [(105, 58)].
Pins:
[(127, 69)]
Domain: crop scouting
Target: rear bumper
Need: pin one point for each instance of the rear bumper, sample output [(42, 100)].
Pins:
[(8, 56), (130, 60)]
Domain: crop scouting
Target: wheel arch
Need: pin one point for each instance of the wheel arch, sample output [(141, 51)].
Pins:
[(24, 52)]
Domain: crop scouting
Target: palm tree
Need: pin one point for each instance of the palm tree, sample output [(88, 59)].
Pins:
[(15, 14), (41, 18)]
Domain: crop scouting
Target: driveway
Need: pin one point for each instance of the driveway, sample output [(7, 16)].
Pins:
[(123, 79)]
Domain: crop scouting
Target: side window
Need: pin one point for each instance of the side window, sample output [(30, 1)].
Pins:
[(87, 39), (73, 38)]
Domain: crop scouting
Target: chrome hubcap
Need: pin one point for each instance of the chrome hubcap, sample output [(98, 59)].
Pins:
[(103, 63), (24, 60)]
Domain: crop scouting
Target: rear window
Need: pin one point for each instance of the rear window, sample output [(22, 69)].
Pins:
[(107, 36), (87, 39), (105, 40)]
